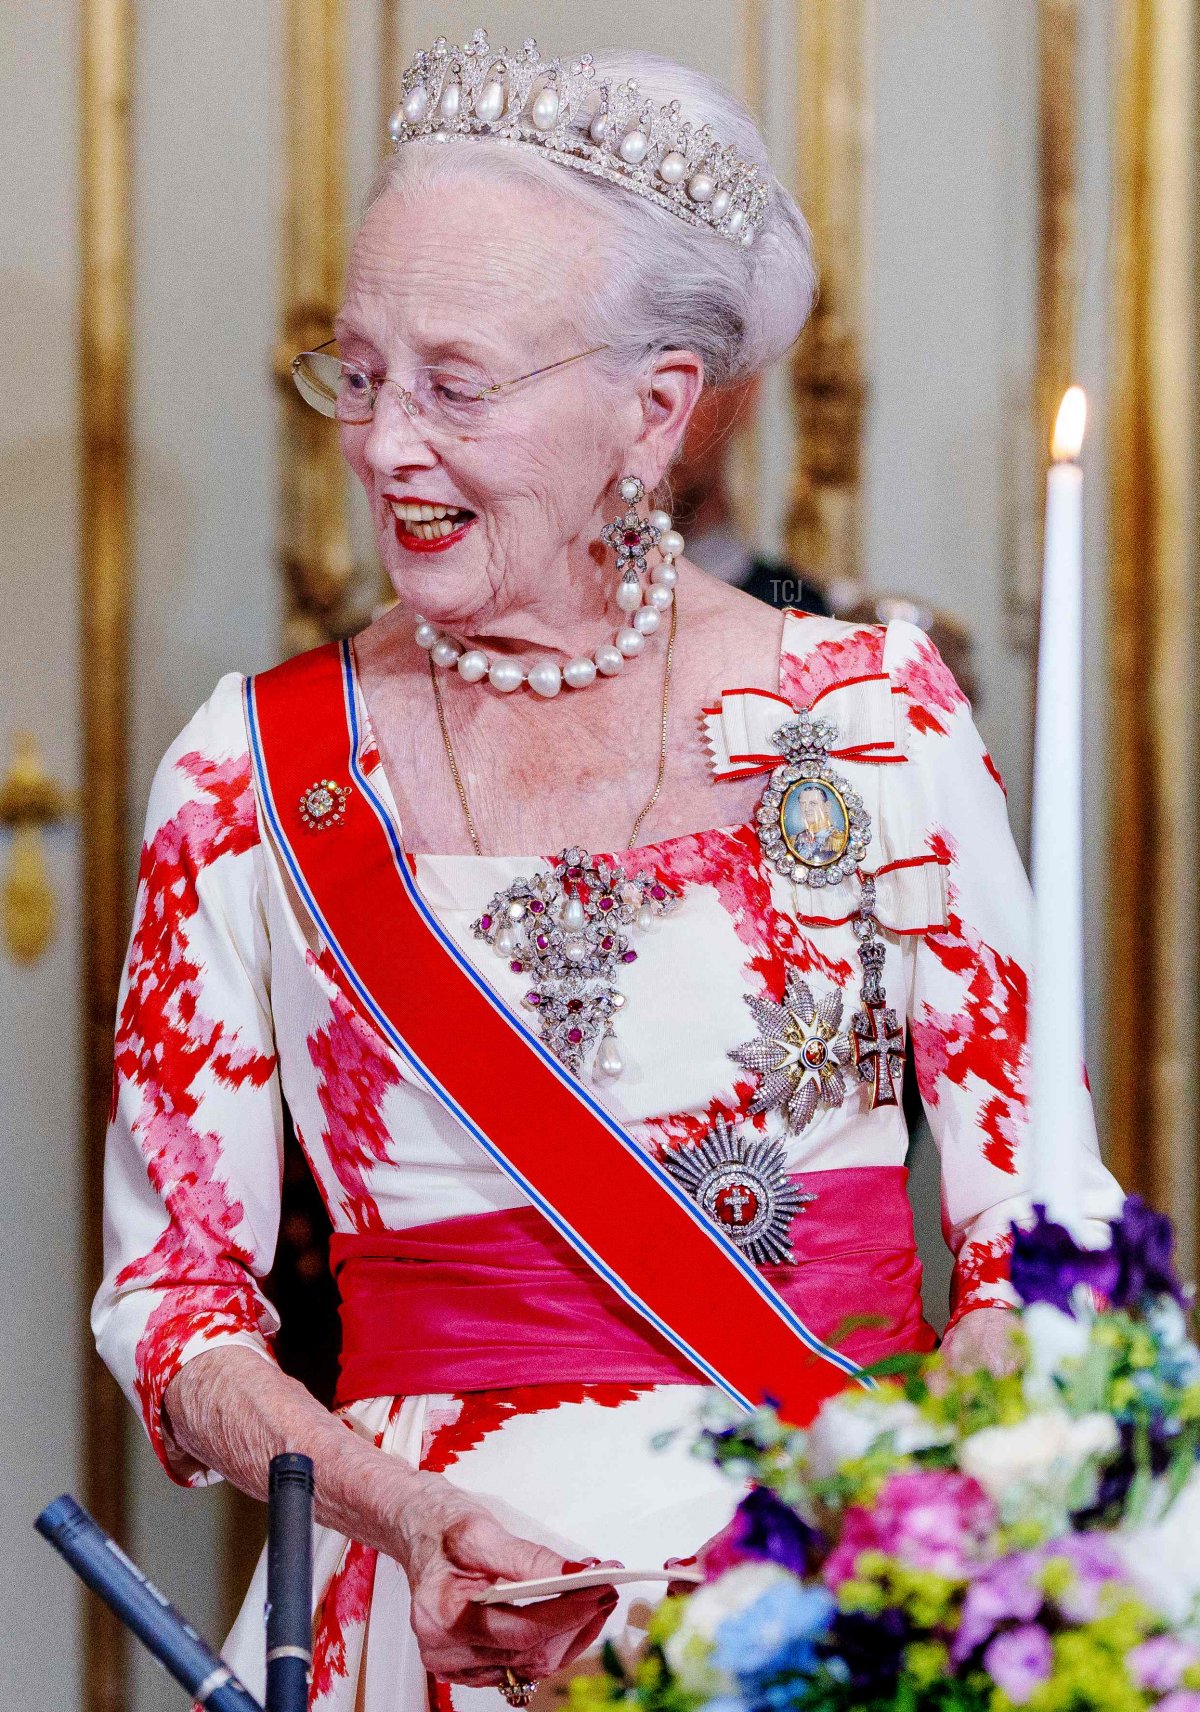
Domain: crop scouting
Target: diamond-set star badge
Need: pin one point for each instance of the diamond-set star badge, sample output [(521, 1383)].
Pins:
[(742, 1183), (800, 1053)]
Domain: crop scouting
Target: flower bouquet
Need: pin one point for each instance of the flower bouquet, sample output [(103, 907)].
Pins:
[(964, 1542)]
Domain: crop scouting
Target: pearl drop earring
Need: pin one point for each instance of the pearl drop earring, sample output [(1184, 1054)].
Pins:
[(631, 537)]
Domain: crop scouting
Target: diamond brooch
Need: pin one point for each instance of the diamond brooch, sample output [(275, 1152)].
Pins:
[(800, 1053), (742, 1183), (813, 828), (323, 805), (570, 931)]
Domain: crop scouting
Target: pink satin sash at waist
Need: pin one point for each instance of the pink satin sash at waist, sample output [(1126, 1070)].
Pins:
[(496, 1300)]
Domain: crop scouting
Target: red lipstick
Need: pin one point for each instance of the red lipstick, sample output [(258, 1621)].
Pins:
[(413, 543)]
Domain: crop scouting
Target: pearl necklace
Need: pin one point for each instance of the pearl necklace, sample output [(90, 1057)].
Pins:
[(545, 677), (663, 726)]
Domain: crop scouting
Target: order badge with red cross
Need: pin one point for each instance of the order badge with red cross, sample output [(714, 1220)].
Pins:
[(742, 1183)]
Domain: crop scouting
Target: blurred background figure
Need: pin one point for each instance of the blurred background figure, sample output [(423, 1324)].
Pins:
[(704, 509)]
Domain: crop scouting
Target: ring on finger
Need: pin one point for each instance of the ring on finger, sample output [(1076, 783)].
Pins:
[(517, 1690)]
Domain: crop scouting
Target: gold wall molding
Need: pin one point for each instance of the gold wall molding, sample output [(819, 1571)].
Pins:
[(391, 65), (313, 540), (1059, 283), (1058, 210), (828, 386), (314, 545), (30, 800), (1151, 761), (105, 314)]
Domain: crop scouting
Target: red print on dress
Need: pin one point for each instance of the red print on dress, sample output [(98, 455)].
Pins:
[(346, 1601), (859, 654), (984, 1040), (482, 1412), (977, 1266), (731, 862), (344, 1607), (164, 1043), (995, 772), (355, 1070), (928, 683), (676, 1129)]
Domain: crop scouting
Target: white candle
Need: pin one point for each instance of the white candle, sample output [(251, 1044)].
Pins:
[(1058, 1100)]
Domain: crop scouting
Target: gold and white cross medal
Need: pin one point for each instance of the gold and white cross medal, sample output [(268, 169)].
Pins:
[(876, 1037)]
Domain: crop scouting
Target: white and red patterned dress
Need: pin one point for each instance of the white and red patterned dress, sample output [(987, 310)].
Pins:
[(230, 1002)]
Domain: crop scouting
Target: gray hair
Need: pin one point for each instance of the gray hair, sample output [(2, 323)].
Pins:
[(666, 285)]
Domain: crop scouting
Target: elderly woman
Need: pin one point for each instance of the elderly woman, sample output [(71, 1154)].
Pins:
[(604, 1131)]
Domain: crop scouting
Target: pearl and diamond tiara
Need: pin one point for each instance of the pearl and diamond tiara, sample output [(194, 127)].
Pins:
[(581, 121)]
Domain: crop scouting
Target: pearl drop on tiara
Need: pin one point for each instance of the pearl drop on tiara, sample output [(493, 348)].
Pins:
[(607, 130)]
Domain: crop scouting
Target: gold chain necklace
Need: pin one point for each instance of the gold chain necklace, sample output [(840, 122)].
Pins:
[(662, 741)]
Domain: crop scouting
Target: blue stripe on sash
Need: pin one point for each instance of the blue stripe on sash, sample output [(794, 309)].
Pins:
[(448, 1101)]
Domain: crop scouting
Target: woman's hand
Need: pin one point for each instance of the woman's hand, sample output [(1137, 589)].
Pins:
[(452, 1547), (982, 1338), (230, 1410)]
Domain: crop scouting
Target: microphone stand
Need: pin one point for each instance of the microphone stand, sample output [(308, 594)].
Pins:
[(101, 1564), (289, 1582)]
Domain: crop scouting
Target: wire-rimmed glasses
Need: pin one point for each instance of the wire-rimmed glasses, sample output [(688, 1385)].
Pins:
[(444, 395)]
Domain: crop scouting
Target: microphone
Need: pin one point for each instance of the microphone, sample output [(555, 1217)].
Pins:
[(104, 1567), (289, 1582)]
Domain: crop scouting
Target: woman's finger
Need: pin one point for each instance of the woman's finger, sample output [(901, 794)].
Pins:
[(477, 1543), (474, 1665), (522, 1628)]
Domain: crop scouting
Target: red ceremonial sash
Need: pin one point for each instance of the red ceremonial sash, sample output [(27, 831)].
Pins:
[(616, 1205)]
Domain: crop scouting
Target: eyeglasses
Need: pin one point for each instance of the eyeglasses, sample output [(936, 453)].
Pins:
[(446, 397)]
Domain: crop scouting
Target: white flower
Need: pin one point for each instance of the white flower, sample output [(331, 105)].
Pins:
[(1039, 1456), (1162, 1556), (689, 1650), (1054, 1338), (848, 1426)]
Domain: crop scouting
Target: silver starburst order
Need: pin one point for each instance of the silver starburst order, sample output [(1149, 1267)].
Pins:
[(743, 1185), (800, 1052)]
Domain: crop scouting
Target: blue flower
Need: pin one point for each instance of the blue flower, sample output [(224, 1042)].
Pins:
[(774, 1635)]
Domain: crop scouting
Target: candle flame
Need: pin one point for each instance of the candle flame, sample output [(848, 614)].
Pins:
[(1069, 424)]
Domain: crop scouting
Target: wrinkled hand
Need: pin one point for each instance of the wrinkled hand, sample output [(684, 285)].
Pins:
[(982, 1338), (454, 1547)]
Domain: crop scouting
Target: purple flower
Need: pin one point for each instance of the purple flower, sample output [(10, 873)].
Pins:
[(930, 1518), (1183, 1700), (1143, 1243), (1010, 1590), (1007, 1591), (1047, 1264), (1095, 1564), (762, 1528), (1159, 1663), (1019, 1660)]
